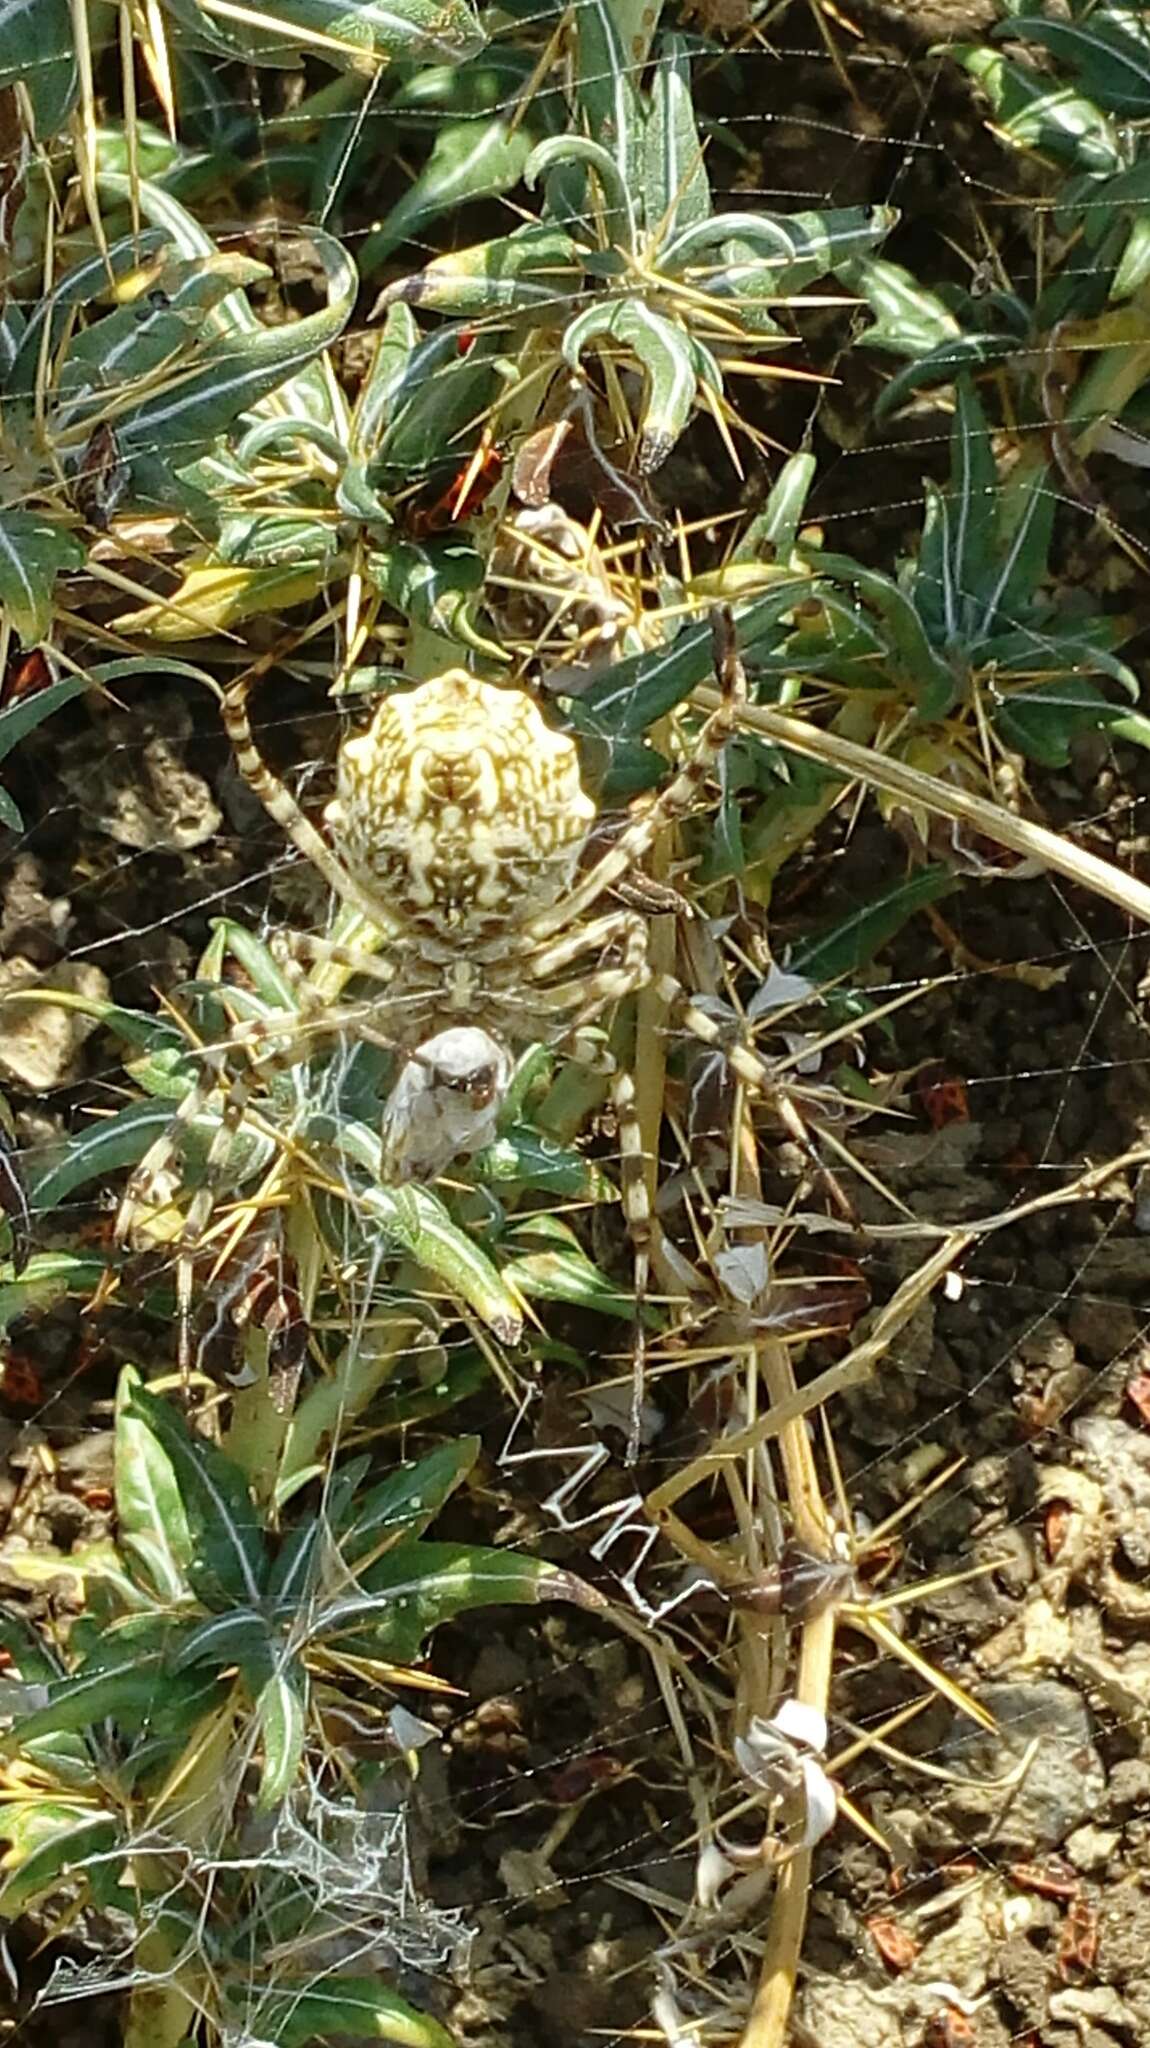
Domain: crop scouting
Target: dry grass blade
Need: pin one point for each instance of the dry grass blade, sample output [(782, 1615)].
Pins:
[(880, 771)]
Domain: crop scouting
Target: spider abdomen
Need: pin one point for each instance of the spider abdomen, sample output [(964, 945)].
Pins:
[(460, 807)]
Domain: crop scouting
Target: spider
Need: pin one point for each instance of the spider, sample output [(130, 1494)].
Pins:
[(456, 832)]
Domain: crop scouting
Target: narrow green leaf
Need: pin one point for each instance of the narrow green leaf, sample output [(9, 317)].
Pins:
[(567, 1276), (181, 420), (927, 677), (1134, 268), (942, 364), (909, 320), (228, 1559), (280, 1716), (68, 1839), (415, 1218), (534, 268), (46, 1277), (408, 1499), (1107, 54), (105, 1147), (1026, 525), (125, 1691), (33, 552), (149, 1504), (404, 31), (1035, 112), (521, 1157), (1041, 723), (645, 687), (850, 943), (676, 189), (220, 1640), (972, 570), (435, 584), (476, 159), (38, 51), (408, 1592), (609, 102), (359, 2007)]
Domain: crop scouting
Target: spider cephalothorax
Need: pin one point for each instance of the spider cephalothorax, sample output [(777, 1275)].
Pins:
[(460, 808)]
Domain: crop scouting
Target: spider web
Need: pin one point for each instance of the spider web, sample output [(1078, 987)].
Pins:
[(564, 1714)]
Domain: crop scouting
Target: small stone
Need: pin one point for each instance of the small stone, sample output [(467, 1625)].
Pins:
[(1090, 1847), (1130, 1782), (1060, 1788), (41, 1040), (839, 2014)]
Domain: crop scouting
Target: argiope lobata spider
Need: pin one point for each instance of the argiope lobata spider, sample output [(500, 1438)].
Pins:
[(456, 832)]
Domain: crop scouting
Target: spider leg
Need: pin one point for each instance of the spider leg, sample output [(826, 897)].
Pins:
[(755, 1073), (281, 805), (640, 1228), (597, 991), (673, 802)]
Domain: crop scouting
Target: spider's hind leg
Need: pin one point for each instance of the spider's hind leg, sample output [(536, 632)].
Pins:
[(640, 1229)]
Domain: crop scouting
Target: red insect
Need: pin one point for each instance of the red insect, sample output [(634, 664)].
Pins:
[(943, 1097), (466, 493)]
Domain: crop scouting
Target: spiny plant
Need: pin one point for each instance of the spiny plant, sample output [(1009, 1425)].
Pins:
[(1070, 93), (176, 1786), (173, 1752)]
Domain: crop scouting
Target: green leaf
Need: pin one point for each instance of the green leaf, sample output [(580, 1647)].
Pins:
[(567, 1276), (676, 189), (969, 571), (415, 1218), (84, 282), (926, 676), (1134, 268), (1042, 722), (150, 1513), (135, 340), (1110, 60), (180, 421), (46, 1277), (407, 1500), (942, 364), (408, 1592), (476, 159), (537, 267), (639, 691), (38, 51), (909, 319), (116, 1141), (772, 533), (126, 1691), (521, 1157), (240, 1635), (850, 943), (50, 1841), (359, 2007), (435, 584), (664, 352), (435, 411), (280, 1718), (1035, 113), (609, 103), (400, 30), (1025, 527), (33, 552), (228, 1560)]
